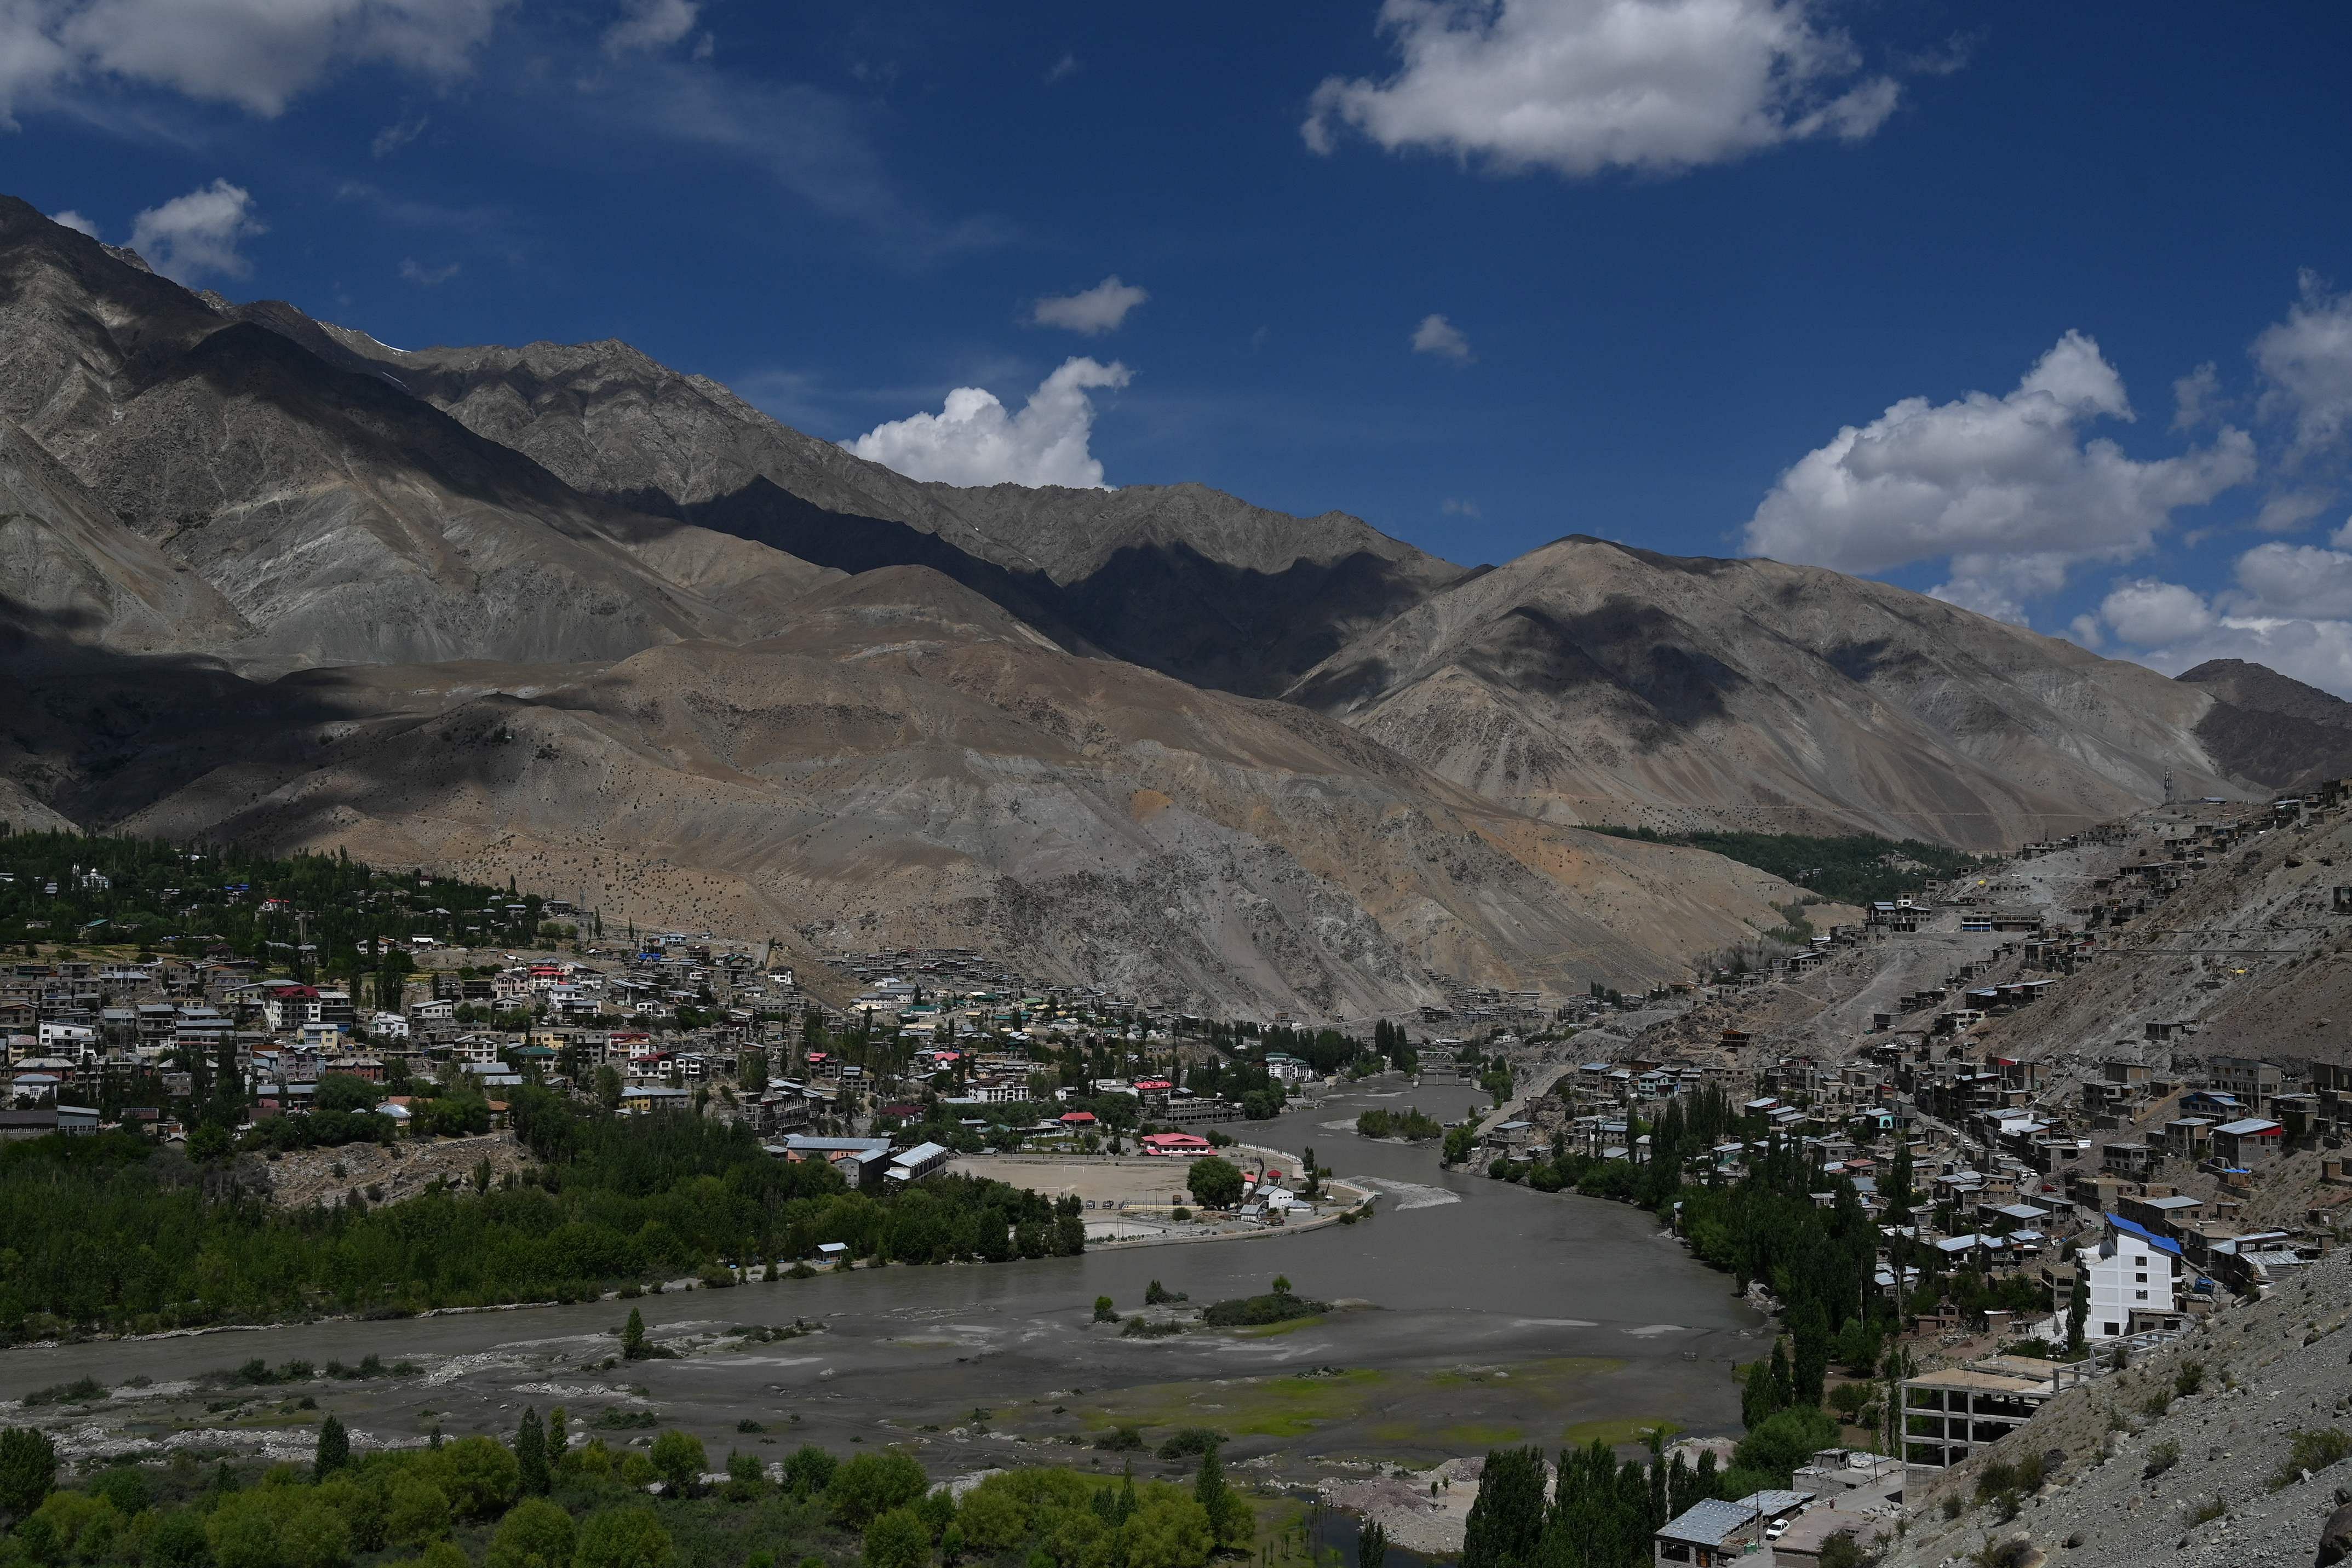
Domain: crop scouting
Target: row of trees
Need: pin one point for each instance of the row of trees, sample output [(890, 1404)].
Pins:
[(112, 1232), (312, 914), (540, 1501)]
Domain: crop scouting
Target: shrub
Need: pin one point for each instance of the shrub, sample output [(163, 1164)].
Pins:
[(680, 1458), (745, 1479), (479, 1474), (535, 1533), (28, 1468), (898, 1537), (419, 1512), (1190, 1441), (2313, 1451), (2190, 1379), (1105, 1312), (177, 1540), (2160, 1458), (808, 1470), (873, 1484), (1120, 1440), (2209, 1511), (81, 1391), (630, 1537)]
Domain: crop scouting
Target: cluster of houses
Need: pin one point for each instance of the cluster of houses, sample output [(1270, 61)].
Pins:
[(2004, 1189)]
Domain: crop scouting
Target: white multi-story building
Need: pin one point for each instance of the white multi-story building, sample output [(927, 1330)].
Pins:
[(2134, 1279)]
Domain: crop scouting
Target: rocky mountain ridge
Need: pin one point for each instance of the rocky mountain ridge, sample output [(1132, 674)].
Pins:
[(1588, 681), (565, 614)]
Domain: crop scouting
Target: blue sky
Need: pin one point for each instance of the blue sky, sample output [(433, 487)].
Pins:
[(1675, 249)]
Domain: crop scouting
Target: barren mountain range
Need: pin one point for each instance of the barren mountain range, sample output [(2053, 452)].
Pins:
[(562, 612)]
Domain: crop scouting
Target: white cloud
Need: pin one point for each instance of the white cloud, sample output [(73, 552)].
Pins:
[(2306, 365), (2288, 510), (2294, 579), (413, 271), (259, 54), (646, 26), (1456, 506), (2147, 612), (2291, 609), (1581, 85), (2194, 395), (974, 440), (2007, 487), (192, 235), (397, 135), (76, 222), (2317, 652), (1095, 310), (1436, 334), (1068, 65)]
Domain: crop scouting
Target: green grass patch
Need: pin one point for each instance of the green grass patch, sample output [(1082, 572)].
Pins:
[(1269, 1330), (1461, 1434), (1617, 1431), (1251, 1407)]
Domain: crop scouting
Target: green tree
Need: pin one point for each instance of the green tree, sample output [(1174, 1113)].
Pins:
[(632, 1336), (479, 1474), (334, 1451), (897, 1539), (530, 1454), (559, 1437), (630, 1537), (1506, 1521), (608, 1087), (1228, 1516), (1215, 1182), (535, 1533), (680, 1458), (745, 1479), (808, 1470), (177, 1540), (28, 1470), (2078, 1311), (873, 1484), (419, 1512), (1372, 1545), (314, 1536)]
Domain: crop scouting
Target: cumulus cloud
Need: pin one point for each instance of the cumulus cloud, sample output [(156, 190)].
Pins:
[(2009, 488), (2184, 630), (193, 236), (1093, 311), (2149, 612), (1582, 86), (2294, 579), (2306, 366), (2194, 396), (975, 440), (1436, 334), (2290, 607), (259, 54), (76, 222), (646, 26)]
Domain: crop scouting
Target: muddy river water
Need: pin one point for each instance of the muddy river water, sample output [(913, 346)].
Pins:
[(1490, 1314)]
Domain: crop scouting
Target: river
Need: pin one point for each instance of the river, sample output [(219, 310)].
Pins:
[(1491, 1313)]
